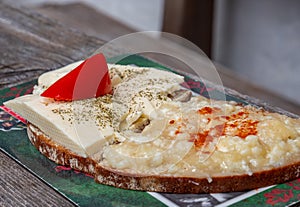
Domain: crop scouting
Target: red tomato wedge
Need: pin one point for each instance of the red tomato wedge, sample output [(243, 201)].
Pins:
[(88, 80)]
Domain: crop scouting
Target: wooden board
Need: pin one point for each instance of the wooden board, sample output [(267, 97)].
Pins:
[(32, 44)]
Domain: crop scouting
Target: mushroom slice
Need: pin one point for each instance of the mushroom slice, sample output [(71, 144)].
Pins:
[(140, 124), (146, 129), (181, 95)]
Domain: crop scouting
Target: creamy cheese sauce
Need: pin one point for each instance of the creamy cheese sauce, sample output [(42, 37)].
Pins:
[(204, 138), (143, 128)]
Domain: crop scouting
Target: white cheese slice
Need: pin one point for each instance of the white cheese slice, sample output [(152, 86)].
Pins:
[(86, 126), (84, 138)]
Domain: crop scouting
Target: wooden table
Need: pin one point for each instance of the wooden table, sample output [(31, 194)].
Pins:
[(32, 44)]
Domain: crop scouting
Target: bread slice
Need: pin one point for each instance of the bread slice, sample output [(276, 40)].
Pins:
[(158, 183), (58, 153), (161, 138)]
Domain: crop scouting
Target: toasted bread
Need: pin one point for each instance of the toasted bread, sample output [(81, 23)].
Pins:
[(158, 183)]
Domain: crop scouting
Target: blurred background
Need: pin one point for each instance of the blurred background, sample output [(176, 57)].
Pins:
[(259, 40)]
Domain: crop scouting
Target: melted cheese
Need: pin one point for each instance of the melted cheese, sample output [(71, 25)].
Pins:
[(204, 138)]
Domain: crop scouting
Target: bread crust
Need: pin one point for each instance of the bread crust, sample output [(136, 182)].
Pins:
[(157, 183), (59, 154), (198, 185)]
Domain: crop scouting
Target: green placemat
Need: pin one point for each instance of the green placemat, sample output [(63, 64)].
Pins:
[(82, 189)]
